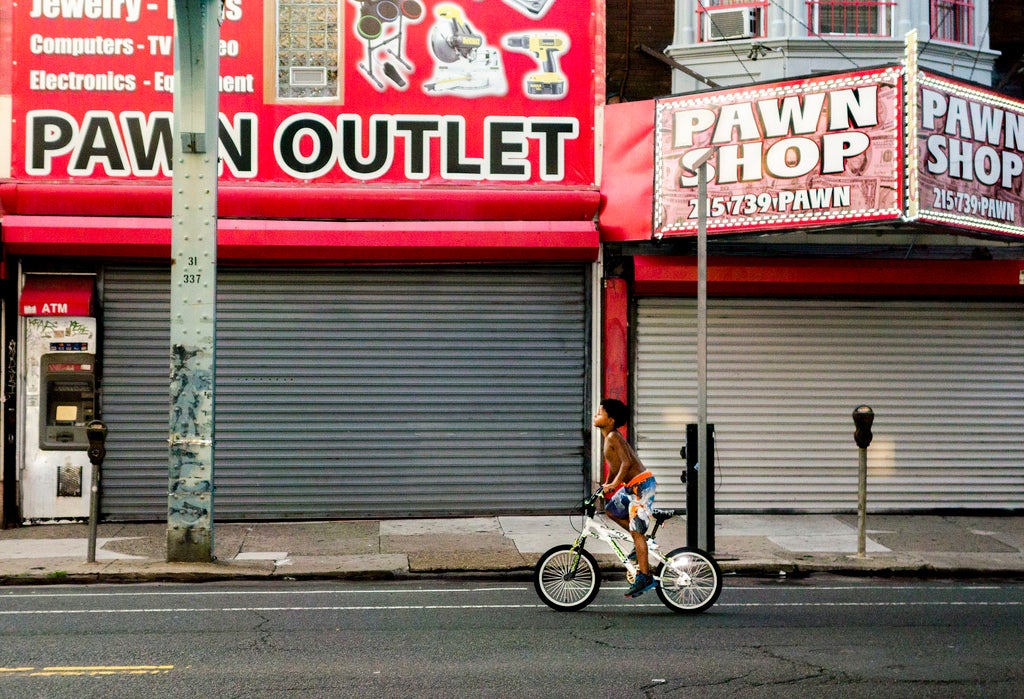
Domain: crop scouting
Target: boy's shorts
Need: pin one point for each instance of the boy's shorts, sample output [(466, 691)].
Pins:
[(634, 503)]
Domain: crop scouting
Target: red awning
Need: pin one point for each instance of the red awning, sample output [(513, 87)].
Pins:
[(56, 295), (848, 278), (323, 242)]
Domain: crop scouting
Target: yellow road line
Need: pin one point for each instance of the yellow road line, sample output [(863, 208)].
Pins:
[(92, 670), (111, 667)]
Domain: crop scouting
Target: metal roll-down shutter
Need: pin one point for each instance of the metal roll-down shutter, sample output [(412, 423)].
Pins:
[(945, 380), (360, 393)]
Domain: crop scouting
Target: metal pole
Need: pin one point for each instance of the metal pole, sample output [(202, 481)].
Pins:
[(702, 349), (94, 513), (862, 502), (193, 280)]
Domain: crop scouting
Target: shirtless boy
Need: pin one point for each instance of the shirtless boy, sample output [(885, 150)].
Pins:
[(631, 506)]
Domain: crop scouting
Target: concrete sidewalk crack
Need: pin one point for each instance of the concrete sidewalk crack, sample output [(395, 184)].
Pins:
[(241, 544)]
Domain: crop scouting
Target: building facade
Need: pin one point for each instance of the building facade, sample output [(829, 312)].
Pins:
[(437, 248), (814, 306), (406, 248)]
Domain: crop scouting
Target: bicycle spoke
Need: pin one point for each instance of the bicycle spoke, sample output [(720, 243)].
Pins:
[(566, 578), (690, 581)]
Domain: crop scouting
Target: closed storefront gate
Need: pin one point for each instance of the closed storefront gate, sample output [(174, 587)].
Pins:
[(359, 393), (945, 380)]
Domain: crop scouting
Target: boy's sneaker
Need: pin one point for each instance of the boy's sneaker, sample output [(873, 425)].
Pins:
[(641, 584)]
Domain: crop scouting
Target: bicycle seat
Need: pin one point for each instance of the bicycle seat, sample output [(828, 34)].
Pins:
[(661, 516)]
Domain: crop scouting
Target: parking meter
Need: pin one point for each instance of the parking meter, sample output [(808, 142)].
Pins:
[(863, 416), (96, 433)]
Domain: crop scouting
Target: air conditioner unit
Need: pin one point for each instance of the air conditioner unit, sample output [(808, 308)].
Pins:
[(730, 23)]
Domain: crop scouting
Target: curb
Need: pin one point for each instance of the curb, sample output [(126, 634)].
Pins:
[(780, 571)]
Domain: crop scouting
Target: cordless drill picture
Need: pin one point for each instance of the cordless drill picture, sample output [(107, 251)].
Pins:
[(549, 81)]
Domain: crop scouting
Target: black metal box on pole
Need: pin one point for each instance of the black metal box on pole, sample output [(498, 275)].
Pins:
[(693, 505)]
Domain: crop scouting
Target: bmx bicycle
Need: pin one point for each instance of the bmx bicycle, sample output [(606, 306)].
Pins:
[(567, 577)]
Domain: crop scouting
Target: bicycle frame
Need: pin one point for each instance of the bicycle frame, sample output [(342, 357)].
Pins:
[(594, 529)]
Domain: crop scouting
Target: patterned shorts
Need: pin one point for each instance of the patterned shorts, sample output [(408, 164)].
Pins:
[(635, 504)]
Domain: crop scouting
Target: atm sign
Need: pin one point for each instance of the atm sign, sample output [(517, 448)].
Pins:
[(48, 309), (56, 295)]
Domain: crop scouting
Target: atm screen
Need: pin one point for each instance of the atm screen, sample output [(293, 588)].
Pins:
[(68, 401), (67, 413)]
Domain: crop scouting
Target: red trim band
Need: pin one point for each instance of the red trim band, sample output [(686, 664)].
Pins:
[(311, 241), (677, 276), (478, 203)]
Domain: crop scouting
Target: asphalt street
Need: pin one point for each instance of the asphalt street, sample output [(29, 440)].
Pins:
[(830, 636)]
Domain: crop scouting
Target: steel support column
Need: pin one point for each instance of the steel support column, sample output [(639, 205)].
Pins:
[(193, 280)]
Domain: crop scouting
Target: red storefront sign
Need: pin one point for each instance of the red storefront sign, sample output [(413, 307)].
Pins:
[(969, 157), (390, 92), (811, 152)]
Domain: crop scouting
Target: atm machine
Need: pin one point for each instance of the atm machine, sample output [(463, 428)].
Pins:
[(57, 375)]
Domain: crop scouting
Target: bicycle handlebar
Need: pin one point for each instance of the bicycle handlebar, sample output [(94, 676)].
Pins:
[(590, 502)]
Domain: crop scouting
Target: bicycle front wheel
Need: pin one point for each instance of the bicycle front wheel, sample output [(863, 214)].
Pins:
[(567, 579), (689, 581)]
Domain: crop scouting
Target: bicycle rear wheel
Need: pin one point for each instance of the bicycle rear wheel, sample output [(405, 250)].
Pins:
[(689, 581), (567, 580)]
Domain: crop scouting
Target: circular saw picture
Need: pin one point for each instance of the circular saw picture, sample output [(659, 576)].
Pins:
[(464, 64)]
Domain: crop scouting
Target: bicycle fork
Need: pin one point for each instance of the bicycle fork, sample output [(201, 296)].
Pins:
[(578, 546)]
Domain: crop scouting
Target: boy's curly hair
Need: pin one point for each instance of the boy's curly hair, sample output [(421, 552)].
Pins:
[(616, 410)]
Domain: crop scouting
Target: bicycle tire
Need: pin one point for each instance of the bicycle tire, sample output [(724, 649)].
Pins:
[(565, 579), (689, 581)]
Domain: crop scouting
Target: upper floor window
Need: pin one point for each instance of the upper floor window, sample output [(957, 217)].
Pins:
[(719, 20), (952, 20), (851, 17)]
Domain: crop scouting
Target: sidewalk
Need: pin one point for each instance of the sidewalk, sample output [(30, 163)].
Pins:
[(775, 545)]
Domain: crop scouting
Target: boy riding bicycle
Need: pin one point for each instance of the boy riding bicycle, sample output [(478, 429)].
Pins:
[(631, 506)]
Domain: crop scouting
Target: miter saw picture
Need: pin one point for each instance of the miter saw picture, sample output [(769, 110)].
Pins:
[(549, 82), (463, 62), (381, 24)]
